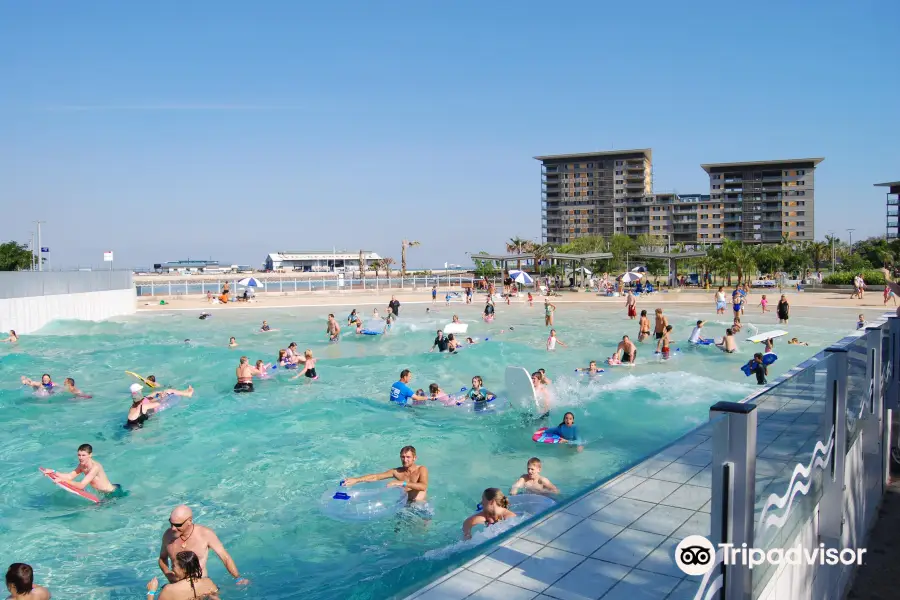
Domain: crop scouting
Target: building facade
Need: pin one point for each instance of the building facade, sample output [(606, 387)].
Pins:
[(579, 192), (318, 262), (607, 193), (891, 206), (760, 202)]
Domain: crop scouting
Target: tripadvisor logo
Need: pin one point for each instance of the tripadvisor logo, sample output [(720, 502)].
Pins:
[(695, 555)]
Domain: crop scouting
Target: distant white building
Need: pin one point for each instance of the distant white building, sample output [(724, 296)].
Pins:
[(318, 262)]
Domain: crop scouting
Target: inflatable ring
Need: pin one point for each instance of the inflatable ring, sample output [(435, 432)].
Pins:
[(363, 501)]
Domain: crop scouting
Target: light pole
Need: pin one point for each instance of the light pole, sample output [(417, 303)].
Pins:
[(40, 256), (850, 231), (831, 235)]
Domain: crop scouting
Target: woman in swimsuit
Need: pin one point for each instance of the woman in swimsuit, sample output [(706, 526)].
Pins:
[(141, 408), (309, 366), (44, 385), (644, 326), (494, 508), (190, 583), (13, 338)]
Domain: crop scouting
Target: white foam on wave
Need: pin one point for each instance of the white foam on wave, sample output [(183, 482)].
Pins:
[(662, 388), (478, 537)]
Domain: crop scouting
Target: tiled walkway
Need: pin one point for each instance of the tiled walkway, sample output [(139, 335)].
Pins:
[(617, 543)]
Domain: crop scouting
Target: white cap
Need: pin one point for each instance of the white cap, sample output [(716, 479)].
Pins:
[(136, 388)]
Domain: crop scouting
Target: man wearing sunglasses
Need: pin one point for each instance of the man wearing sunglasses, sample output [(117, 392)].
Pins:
[(183, 534)]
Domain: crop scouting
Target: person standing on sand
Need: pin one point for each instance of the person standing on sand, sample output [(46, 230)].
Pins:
[(631, 305), (183, 534)]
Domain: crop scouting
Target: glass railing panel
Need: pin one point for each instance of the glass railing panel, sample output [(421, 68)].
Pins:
[(794, 446)]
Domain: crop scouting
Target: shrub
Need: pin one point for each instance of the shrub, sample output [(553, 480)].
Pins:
[(846, 278)]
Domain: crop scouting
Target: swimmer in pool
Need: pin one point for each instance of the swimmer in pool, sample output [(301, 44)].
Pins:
[(736, 326), (13, 338), (643, 327), (232, 343), (494, 508), (541, 393), (265, 326), (695, 334), (359, 328), (477, 394), (544, 379), (470, 341), (626, 352), (591, 368), (244, 373), (549, 309), (436, 393), (333, 329), (353, 317), (204, 316), (261, 369), (45, 383), (728, 344), (661, 322), (455, 319), (796, 342), (375, 314), (412, 477), (553, 340), (566, 431), (770, 345), (452, 344), (662, 346), (532, 481), (309, 367), (20, 583), (93, 472), (69, 384)]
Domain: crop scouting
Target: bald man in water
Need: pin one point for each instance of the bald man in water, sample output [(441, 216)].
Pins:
[(183, 534)]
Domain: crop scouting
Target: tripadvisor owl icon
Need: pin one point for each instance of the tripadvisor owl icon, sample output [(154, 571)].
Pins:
[(695, 555)]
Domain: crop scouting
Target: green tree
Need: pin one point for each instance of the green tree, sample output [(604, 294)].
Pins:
[(819, 252), (519, 245), (484, 268), (15, 257)]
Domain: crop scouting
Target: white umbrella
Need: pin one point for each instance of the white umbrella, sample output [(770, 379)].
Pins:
[(641, 269), (521, 277), (584, 270), (631, 276), (250, 282)]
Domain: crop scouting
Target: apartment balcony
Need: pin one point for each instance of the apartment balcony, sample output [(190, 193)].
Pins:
[(893, 199), (684, 228), (635, 185), (892, 223), (892, 212), (734, 180)]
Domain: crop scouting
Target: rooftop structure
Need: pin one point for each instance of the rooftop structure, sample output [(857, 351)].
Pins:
[(318, 261)]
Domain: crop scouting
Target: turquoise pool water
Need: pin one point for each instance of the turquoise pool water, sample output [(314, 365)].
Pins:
[(253, 466)]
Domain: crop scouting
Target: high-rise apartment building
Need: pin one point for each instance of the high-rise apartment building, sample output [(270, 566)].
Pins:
[(579, 192), (892, 205), (605, 193), (759, 202)]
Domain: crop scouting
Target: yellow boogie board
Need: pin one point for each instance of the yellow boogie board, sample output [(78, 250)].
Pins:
[(144, 381)]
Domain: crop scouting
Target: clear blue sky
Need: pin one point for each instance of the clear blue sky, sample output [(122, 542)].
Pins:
[(167, 130)]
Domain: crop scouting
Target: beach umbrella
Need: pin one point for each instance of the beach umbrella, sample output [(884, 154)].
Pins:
[(630, 276), (584, 270), (250, 282), (641, 269), (521, 277)]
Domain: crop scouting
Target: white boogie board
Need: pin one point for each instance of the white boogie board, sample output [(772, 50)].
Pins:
[(520, 390), (456, 328), (761, 337)]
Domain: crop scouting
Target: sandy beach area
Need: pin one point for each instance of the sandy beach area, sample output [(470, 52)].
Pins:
[(832, 300)]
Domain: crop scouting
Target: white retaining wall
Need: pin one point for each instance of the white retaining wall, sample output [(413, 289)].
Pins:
[(30, 313)]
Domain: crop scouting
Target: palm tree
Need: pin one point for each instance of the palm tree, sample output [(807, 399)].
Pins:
[(540, 252), (517, 245), (377, 265), (386, 262), (403, 246)]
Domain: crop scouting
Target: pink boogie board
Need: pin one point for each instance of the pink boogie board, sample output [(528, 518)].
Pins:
[(68, 487)]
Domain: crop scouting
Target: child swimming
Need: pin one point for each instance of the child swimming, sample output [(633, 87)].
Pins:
[(566, 430), (478, 395), (532, 481), (309, 366), (553, 340), (494, 508), (591, 368)]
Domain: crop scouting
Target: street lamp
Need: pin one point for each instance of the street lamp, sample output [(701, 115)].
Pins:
[(850, 231), (831, 235)]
